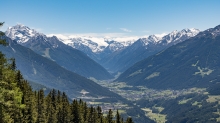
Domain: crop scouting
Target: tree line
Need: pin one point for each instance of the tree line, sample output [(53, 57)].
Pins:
[(20, 104)]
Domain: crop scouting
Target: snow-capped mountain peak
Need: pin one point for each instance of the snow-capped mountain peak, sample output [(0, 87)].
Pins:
[(180, 35), (190, 32), (173, 37), (150, 39), (154, 38), (21, 33)]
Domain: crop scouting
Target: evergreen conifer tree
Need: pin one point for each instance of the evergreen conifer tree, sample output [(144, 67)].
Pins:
[(75, 112), (65, 109), (118, 117), (99, 111), (84, 111), (110, 116), (40, 107), (50, 107)]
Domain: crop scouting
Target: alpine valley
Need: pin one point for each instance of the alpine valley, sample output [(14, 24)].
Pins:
[(114, 54), (169, 78), (40, 71), (44, 72)]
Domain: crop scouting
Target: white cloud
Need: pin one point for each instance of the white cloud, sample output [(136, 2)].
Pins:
[(161, 35), (59, 36), (98, 35), (124, 39), (125, 30), (99, 38)]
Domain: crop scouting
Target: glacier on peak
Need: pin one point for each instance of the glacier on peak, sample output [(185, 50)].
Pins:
[(96, 44)]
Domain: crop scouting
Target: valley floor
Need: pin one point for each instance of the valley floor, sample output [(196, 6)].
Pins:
[(154, 102)]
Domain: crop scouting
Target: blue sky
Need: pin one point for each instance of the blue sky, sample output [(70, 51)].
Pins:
[(125, 17)]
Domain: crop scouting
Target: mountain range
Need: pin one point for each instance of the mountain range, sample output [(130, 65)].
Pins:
[(114, 54), (144, 47), (173, 64), (192, 63), (52, 48), (42, 72), (117, 56)]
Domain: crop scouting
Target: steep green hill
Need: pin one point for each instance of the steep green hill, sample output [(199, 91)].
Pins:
[(192, 63)]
